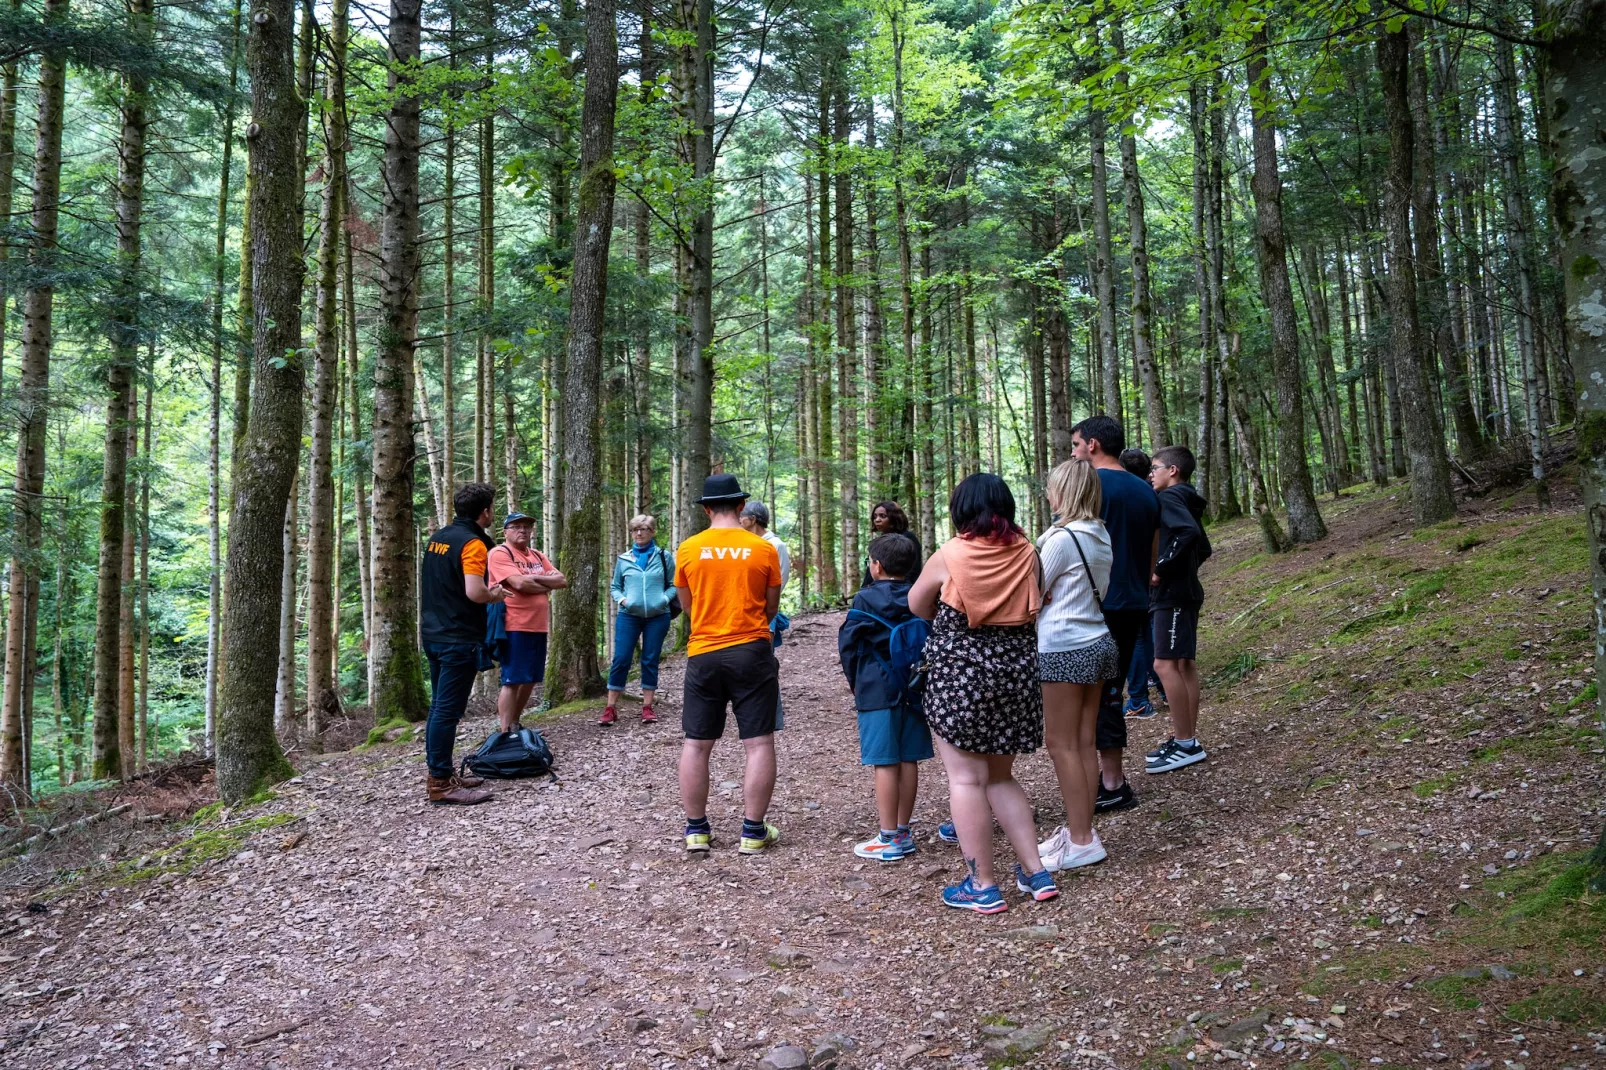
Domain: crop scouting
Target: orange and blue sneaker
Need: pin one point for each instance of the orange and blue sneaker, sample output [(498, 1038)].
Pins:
[(966, 896), (882, 847), (1040, 886)]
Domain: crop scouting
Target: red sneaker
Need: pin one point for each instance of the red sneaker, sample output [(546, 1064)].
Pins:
[(648, 715), (610, 715)]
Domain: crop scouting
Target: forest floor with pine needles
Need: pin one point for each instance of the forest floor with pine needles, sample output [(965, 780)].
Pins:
[(1381, 864)]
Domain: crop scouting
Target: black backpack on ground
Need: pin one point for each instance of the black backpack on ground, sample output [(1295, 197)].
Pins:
[(510, 756)]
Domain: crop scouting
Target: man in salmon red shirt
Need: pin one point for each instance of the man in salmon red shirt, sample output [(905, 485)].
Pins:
[(529, 577), (729, 582)]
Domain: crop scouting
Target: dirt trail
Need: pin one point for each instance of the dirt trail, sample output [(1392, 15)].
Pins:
[(562, 926)]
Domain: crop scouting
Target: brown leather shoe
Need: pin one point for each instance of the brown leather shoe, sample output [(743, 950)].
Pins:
[(448, 791), (467, 780)]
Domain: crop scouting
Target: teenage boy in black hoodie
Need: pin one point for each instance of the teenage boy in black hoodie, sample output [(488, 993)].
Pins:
[(1174, 600), (893, 737)]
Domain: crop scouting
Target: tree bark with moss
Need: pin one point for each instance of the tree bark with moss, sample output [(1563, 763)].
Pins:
[(574, 628), (248, 753), (1576, 97), (397, 663)]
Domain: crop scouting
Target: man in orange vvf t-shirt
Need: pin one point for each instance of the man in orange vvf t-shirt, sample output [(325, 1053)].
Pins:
[(729, 582)]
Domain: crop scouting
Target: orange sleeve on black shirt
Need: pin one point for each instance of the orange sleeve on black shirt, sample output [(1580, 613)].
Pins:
[(474, 558)]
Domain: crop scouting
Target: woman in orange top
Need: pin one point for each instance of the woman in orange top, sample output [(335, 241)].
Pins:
[(982, 591)]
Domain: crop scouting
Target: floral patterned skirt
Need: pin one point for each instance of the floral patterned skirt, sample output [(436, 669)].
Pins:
[(982, 693)]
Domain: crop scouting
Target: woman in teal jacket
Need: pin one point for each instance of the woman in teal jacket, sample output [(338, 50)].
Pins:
[(643, 582)]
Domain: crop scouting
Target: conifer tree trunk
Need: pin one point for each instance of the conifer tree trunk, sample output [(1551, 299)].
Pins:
[(248, 754), (284, 690), (1143, 355), (127, 736), (8, 167), (214, 482), (359, 488), (397, 666), (880, 402), (1299, 497), (847, 339), (1438, 329), (32, 411), (114, 714), (641, 219), (1518, 245), (1432, 499), (1575, 96), (574, 626), (145, 739), (1103, 269), (1205, 454), (323, 700), (928, 455)]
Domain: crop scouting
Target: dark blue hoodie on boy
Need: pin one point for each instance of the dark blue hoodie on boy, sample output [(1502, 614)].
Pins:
[(865, 646), (1183, 548)]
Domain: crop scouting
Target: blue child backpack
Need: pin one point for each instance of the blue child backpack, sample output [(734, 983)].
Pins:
[(906, 648)]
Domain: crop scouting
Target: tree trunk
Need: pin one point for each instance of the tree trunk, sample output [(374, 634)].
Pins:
[(359, 488), (214, 456), (145, 738), (881, 402), (397, 666), (284, 702), (1142, 304), (1576, 98), (696, 19), (1059, 352), (1437, 307), (1299, 497), (574, 609), (1432, 499), (32, 409), (1509, 148), (1205, 455), (1103, 269), (8, 166), (323, 697), (248, 754), (847, 341)]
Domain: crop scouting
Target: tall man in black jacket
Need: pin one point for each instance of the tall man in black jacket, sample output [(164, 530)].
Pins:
[(453, 598)]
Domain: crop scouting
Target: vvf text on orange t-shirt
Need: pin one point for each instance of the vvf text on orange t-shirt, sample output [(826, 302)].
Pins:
[(728, 571)]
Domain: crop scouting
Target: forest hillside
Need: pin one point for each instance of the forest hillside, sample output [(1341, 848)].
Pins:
[(1382, 864)]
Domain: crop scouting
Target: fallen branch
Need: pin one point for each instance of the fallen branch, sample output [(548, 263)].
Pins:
[(273, 1031), (23, 846)]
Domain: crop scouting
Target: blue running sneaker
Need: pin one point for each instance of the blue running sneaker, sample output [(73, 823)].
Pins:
[(1040, 886), (966, 896), (1140, 710), (947, 833)]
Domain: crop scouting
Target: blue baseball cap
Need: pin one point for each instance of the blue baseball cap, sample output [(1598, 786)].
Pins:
[(516, 518)]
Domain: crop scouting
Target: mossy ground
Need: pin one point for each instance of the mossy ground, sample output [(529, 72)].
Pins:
[(203, 846)]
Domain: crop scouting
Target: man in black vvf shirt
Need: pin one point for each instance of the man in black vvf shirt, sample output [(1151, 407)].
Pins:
[(452, 625)]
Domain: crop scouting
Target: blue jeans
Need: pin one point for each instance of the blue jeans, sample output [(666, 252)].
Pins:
[(452, 668), (1137, 681), (650, 632)]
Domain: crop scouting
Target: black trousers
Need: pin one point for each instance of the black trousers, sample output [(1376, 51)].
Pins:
[(1125, 625)]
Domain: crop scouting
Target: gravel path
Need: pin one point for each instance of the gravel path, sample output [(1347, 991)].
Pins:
[(561, 925)]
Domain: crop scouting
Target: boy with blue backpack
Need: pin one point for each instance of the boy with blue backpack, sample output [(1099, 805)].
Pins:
[(882, 645)]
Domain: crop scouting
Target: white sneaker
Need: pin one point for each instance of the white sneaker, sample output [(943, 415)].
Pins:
[(1051, 849), (1060, 853)]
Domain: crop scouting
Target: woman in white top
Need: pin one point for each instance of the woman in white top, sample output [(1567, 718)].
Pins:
[(1075, 654)]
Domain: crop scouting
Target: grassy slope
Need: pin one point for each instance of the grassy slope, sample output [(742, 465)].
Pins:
[(1436, 670)]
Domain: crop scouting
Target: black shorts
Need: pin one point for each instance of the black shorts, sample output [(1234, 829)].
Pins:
[(1176, 633), (746, 677)]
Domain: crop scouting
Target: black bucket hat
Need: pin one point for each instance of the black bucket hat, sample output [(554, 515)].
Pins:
[(721, 488)]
